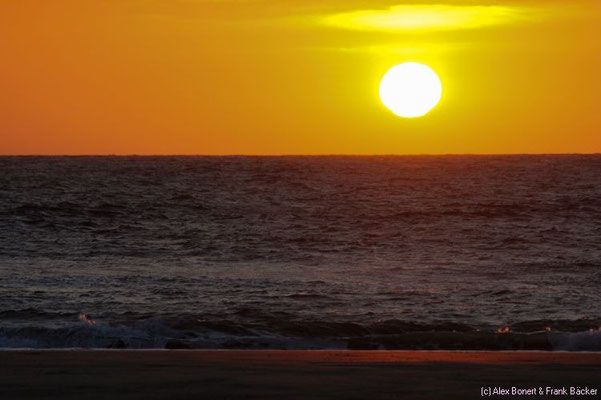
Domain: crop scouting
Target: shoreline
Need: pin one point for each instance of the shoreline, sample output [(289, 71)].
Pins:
[(349, 355)]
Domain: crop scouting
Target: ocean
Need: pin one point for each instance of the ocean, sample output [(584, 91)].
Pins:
[(325, 252)]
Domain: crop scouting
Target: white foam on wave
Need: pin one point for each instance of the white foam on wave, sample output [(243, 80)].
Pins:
[(578, 341)]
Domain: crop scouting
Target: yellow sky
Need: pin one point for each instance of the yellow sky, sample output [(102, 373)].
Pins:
[(296, 76)]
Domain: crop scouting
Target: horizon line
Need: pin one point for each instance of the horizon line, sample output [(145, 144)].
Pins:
[(299, 155)]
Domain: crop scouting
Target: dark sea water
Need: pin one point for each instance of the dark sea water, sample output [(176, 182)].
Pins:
[(480, 252)]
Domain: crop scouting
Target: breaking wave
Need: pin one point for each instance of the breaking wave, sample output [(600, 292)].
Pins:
[(194, 332)]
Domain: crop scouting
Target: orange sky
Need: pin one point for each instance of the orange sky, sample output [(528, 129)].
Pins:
[(295, 76)]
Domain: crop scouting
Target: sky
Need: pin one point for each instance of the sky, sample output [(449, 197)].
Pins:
[(271, 77)]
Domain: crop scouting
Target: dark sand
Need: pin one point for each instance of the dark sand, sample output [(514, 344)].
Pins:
[(264, 374)]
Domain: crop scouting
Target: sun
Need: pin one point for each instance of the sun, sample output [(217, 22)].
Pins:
[(410, 89)]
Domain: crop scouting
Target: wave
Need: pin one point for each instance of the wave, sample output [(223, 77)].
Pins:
[(193, 332)]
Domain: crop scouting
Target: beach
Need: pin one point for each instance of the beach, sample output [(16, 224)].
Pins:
[(273, 374)]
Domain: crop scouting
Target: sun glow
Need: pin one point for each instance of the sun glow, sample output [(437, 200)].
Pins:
[(410, 89), (425, 17)]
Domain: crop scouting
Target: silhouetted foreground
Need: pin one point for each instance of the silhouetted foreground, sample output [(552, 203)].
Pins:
[(267, 374)]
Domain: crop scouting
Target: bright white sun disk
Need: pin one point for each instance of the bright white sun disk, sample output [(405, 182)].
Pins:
[(410, 89)]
